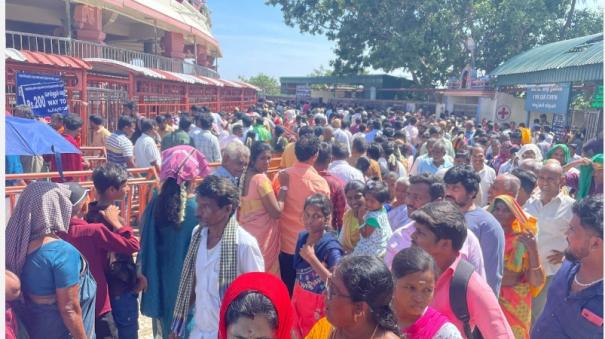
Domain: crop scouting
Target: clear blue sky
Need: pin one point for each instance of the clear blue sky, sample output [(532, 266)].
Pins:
[(254, 39)]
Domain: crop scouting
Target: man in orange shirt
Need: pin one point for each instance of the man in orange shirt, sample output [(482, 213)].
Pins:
[(303, 180)]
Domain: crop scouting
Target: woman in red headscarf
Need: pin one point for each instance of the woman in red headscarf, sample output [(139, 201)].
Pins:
[(256, 305)]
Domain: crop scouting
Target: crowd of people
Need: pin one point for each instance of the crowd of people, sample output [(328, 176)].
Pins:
[(379, 224)]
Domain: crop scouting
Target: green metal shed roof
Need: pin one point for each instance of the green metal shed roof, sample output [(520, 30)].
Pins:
[(578, 59)]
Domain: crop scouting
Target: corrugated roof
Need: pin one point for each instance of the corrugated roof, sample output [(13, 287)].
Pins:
[(568, 60), (230, 83), (13, 54), (212, 81), (45, 59), (110, 65), (247, 85)]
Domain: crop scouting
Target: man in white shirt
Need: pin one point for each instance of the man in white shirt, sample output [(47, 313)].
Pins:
[(553, 209), (486, 173), (146, 152), (225, 251), (340, 167), (411, 131), (341, 136)]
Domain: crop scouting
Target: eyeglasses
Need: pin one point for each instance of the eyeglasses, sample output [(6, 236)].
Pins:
[(331, 292)]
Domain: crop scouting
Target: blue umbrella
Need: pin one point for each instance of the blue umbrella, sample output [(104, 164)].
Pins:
[(31, 137)]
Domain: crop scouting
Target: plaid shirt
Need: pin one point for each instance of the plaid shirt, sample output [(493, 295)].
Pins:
[(337, 196), (207, 143)]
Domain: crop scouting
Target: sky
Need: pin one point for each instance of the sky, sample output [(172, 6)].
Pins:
[(255, 39)]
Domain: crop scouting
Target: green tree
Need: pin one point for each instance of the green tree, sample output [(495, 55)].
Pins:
[(426, 38), (321, 71), (268, 84)]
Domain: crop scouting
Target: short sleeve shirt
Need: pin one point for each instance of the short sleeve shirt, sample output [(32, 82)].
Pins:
[(305, 274), (570, 314), (56, 264), (146, 152), (119, 149)]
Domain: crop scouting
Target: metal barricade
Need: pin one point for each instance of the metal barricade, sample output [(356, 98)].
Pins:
[(141, 183), (96, 156)]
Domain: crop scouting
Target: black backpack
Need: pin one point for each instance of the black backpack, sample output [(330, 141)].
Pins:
[(458, 303)]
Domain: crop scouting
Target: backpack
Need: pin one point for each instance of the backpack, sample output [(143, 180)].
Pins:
[(458, 303)]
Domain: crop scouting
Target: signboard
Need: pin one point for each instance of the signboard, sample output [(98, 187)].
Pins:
[(559, 122), (32, 78), (303, 91), (44, 94), (548, 98), (503, 113), (45, 99), (597, 98)]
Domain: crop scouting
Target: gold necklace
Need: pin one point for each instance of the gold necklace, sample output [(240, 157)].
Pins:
[(333, 332)]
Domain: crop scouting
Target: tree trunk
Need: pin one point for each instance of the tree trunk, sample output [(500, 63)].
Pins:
[(568, 20)]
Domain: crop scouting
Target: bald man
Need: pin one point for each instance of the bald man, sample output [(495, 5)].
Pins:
[(504, 184), (553, 210)]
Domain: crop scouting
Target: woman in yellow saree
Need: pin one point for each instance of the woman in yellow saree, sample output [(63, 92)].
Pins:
[(523, 274), (349, 233)]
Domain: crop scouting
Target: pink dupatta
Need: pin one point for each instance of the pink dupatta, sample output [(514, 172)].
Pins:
[(426, 326)]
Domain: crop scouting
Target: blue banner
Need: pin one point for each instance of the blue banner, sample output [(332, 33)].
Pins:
[(548, 98), (45, 94), (45, 99), (33, 78)]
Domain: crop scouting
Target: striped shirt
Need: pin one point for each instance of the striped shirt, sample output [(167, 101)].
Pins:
[(119, 149)]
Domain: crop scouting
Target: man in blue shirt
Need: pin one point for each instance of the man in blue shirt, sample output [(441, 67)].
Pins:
[(436, 161), (461, 187), (574, 306), (235, 159), (374, 132)]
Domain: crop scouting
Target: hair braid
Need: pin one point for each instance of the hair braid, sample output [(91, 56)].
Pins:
[(385, 318)]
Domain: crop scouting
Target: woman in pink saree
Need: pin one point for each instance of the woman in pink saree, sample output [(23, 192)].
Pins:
[(259, 208)]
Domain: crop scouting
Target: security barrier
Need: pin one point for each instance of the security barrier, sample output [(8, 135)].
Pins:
[(141, 184)]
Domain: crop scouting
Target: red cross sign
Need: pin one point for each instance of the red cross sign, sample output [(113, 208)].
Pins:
[(503, 112)]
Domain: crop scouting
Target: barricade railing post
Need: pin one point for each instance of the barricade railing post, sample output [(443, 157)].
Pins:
[(141, 183)]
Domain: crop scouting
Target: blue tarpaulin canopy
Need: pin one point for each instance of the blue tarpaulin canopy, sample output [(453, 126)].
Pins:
[(31, 137)]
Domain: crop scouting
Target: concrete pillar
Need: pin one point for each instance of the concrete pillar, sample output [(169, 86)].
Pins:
[(202, 55), (372, 93), (88, 23), (174, 45)]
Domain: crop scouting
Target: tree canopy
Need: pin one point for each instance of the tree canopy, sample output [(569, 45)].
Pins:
[(268, 84), (427, 37)]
